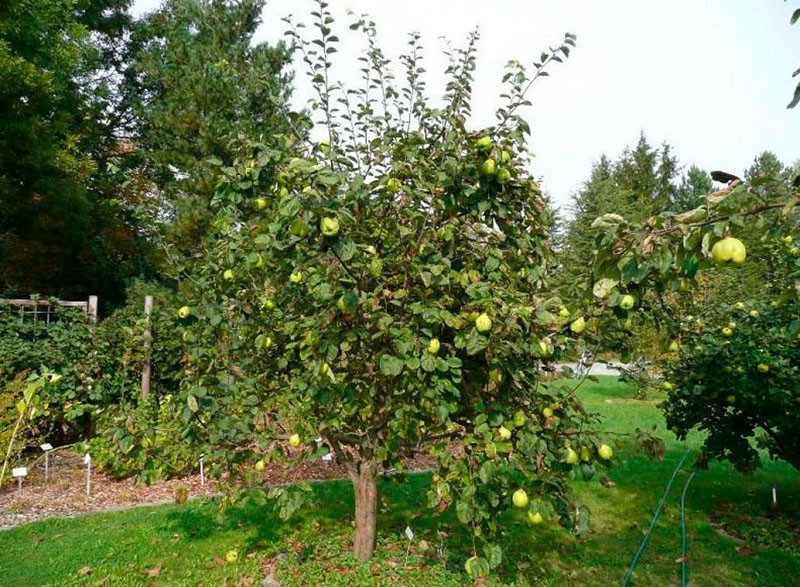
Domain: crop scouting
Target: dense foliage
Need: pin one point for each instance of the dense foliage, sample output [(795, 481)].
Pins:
[(62, 231), (99, 372), (198, 86), (383, 294), (732, 371)]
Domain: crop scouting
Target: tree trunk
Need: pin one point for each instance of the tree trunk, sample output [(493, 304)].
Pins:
[(366, 493)]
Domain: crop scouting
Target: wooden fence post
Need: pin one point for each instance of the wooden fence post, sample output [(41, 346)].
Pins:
[(91, 310), (148, 338)]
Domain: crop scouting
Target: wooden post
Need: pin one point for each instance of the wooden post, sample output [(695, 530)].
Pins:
[(148, 337), (91, 310)]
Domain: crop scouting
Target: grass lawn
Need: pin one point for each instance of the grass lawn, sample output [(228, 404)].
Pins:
[(186, 545)]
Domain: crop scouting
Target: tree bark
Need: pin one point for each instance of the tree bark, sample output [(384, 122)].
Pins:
[(366, 494)]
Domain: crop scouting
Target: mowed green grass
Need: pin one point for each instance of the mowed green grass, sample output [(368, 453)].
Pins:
[(186, 545)]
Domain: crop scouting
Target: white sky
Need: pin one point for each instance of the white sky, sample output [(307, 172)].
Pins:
[(710, 77)]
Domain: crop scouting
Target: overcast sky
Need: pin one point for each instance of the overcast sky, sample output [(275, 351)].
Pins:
[(710, 77)]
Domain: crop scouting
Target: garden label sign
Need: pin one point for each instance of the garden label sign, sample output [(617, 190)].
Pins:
[(19, 473)]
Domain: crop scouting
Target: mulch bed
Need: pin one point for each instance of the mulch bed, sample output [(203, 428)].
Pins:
[(65, 493)]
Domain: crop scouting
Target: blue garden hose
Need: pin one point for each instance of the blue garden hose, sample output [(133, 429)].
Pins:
[(684, 545), (626, 579)]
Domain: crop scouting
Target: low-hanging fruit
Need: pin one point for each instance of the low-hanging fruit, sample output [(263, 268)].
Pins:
[(484, 144), (470, 565), (605, 452), (520, 498), (260, 203), (483, 323), (763, 368), (519, 418), (547, 412), (503, 176), (184, 312), (229, 275), (329, 226), (393, 185), (729, 250), (294, 440), (572, 456), (489, 167), (535, 517), (627, 302), (231, 556), (296, 277), (260, 466), (578, 325), (727, 331), (563, 313), (433, 346)]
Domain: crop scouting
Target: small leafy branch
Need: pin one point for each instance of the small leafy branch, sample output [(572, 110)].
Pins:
[(27, 408), (796, 99)]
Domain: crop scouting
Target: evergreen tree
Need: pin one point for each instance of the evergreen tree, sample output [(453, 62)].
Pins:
[(61, 230), (200, 87), (692, 189)]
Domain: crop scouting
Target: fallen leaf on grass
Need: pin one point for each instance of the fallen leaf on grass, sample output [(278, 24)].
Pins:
[(39, 539), (84, 571), (606, 482), (744, 550), (217, 561), (245, 582), (175, 538), (154, 572)]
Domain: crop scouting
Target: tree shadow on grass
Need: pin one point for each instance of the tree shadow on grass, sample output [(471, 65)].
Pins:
[(321, 530)]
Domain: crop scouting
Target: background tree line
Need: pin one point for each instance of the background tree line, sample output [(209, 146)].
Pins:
[(107, 125)]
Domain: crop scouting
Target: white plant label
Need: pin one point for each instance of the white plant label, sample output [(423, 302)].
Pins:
[(20, 472)]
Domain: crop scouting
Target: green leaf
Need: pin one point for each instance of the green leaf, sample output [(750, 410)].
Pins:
[(476, 343), (632, 272), (390, 365), (464, 512), (494, 554), (690, 266), (412, 363), (21, 407), (289, 206), (345, 249), (796, 99), (192, 403), (486, 472)]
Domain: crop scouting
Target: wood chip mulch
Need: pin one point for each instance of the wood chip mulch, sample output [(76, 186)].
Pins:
[(64, 495)]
